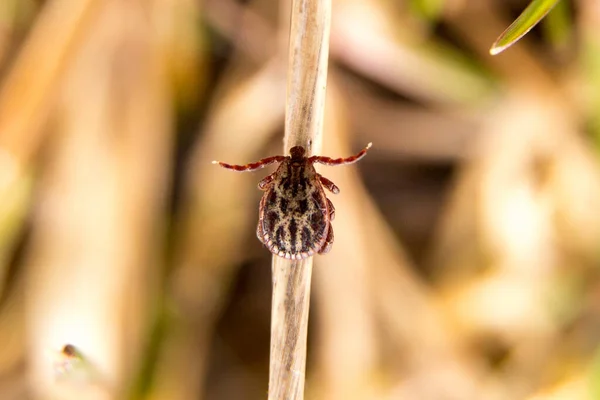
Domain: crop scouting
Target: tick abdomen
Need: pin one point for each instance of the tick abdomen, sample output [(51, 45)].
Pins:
[(293, 220)]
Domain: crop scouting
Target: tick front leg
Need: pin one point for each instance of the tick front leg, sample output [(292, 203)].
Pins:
[(329, 185), (252, 166), (328, 242), (340, 161), (266, 181)]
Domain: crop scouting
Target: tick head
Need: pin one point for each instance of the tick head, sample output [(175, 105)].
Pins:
[(297, 152)]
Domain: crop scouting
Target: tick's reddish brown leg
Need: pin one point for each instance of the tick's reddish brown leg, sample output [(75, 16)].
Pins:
[(340, 161), (328, 242), (266, 181), (252, 166), (329, 185), (331, 210)]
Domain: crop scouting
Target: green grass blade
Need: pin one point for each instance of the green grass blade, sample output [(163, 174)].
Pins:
[(535, 11), (428, 9), (558, 27)]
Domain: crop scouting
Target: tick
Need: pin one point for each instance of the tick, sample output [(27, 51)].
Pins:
[(294, 216)]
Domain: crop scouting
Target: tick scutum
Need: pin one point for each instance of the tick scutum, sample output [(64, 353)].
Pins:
[(303, 206), (283, 205)]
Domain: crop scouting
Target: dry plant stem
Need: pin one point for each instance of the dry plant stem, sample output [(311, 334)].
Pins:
[(307, 81), (289, 327), (211, 228)]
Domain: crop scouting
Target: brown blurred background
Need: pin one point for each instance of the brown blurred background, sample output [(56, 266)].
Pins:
[(466, 257)]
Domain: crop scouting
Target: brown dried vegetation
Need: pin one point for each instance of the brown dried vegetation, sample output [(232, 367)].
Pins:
[(465, 264)]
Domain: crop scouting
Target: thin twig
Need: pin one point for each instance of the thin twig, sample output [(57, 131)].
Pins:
[(307, 81)]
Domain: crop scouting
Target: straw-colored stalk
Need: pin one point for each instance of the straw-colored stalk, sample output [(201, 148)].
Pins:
[(91, 261), (30, 85), (307, 81)]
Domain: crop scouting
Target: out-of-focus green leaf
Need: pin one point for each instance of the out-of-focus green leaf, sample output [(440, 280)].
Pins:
[(591, 71), (15, 192), (15, 203), (595, 376), (17, 12), (429, 9), (558, 26), (533, 14)]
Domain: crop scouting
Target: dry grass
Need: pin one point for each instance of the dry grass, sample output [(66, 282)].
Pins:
[(465, 264), (305, 107)]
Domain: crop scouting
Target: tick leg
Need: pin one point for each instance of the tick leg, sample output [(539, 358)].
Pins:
[(252, 166), (328, 242), (340, 161), (266, 181), (331, 210), (329, 185)]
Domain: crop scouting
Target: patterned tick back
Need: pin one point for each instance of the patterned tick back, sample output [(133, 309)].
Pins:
[(294, 218)]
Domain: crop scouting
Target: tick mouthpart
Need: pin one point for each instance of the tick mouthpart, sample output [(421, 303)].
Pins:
[(297, 152)]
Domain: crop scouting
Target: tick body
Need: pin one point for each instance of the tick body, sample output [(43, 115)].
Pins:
[(294, 218)]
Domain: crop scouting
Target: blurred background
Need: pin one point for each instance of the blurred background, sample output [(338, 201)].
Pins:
[(466, 257)]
